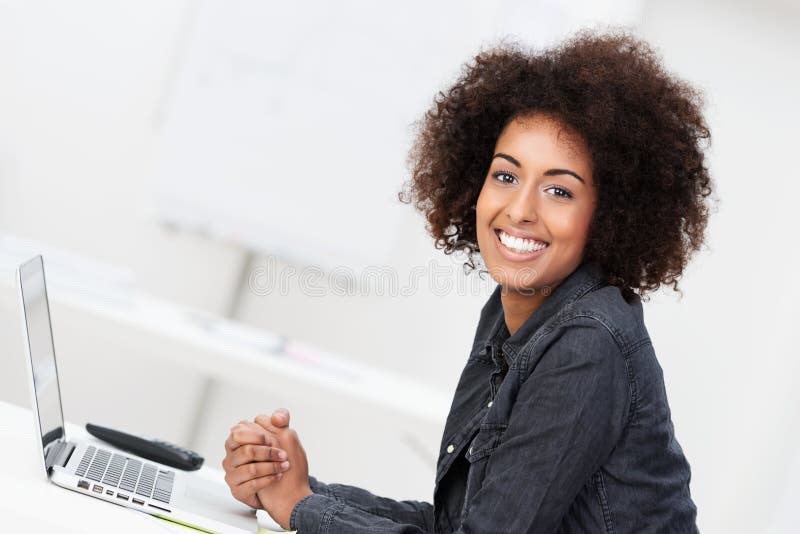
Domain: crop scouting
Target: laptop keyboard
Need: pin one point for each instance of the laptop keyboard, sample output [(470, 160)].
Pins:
[(128, 474)]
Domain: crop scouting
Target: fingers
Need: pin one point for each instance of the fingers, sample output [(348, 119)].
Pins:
[(280, 417), (248, 432), (253, 453), (230, 445), (252, 501), (246, 491), (246, 472), (253, 460), (266, 422)]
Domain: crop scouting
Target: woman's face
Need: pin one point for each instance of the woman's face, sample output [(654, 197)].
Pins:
[(534, 209)]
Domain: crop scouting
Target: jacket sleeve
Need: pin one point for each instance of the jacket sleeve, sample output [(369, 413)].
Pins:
[(343, 508), (569, 414)]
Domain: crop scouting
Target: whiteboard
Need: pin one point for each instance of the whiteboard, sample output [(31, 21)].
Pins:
[(288, 123)]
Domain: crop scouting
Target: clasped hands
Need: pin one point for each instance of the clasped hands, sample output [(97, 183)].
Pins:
[(265, 465)]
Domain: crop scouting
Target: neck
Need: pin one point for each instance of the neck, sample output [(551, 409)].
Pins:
[(517, 307)]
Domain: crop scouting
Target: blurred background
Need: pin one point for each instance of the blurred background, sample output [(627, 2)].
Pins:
[(213, 187)]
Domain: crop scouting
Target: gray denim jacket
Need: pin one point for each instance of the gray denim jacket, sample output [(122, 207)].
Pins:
[(562, 427)]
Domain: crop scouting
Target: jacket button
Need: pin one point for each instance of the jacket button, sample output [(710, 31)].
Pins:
[(450, 449), (490, 404), (470, 450)]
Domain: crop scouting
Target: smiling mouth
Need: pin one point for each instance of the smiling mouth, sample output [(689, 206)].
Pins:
[(518, 244)]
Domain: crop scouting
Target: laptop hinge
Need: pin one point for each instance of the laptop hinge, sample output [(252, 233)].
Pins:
[(58, 454)]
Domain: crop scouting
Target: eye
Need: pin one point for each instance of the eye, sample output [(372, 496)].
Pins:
[(504, 177), (559, 191)]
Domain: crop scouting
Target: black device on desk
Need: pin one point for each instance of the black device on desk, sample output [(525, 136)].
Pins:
[(155, 450)]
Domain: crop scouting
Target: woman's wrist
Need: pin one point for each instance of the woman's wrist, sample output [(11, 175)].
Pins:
[(281, 510)]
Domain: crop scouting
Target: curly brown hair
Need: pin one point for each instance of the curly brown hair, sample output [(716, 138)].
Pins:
[(642, 125)]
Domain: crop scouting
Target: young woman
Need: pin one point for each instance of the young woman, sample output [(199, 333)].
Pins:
[(577, 176)]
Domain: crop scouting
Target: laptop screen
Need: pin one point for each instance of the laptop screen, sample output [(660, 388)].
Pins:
[(40, 344)]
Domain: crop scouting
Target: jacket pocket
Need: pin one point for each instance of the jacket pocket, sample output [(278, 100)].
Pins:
[(487, 439)]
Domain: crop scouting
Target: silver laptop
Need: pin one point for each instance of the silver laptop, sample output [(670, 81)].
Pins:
[(103, 472)]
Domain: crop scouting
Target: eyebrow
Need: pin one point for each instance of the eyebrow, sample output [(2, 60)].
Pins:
[(549, 172)]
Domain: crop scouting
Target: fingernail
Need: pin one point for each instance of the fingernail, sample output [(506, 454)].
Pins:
[(285, 465), (282, 455)]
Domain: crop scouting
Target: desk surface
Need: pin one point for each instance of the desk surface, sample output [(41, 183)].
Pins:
[(32, 504)]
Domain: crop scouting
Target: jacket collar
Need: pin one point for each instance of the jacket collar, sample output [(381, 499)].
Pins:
[(492, 332)]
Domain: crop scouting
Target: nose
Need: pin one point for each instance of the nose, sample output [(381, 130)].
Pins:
[(522, 208)]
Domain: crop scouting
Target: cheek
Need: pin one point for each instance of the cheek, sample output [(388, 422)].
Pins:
[(483, 200), (582, 227), (573, 227), (483, 210)]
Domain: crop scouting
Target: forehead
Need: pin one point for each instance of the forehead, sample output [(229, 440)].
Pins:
[(540, 139)]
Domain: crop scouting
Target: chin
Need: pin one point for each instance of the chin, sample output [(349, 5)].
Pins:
[(520, 280), (527, 291)]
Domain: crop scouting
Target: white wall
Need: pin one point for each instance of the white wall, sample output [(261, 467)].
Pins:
[(80, 84), (729, 348)]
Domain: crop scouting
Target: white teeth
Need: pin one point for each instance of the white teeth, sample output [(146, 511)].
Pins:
[(517, 244)]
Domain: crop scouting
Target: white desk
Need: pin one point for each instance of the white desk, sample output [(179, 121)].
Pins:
[(29, 503)]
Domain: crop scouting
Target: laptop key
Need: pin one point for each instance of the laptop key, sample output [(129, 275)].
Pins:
[(161, 496), (163, 489), (146, 481), (114, 471), (84, 463), (98, 466), (130, 475)]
